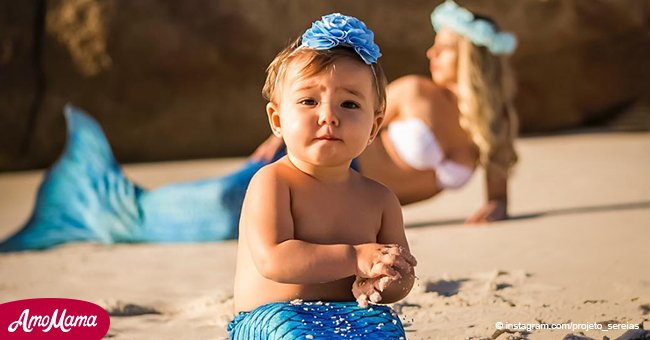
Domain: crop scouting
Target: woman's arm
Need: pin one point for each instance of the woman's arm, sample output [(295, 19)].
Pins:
[(496, 207), (267, 150)]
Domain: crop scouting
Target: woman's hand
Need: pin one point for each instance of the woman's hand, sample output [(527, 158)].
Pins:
[(493, 210), (267, 150)]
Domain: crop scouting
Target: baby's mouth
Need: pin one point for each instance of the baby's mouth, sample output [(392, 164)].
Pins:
[(328, 138)]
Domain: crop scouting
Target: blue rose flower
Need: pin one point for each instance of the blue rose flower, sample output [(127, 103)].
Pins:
[(341, 30), (335, 20)]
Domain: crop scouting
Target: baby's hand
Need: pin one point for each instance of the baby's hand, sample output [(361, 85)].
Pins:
[(375, 260), (370, 289)]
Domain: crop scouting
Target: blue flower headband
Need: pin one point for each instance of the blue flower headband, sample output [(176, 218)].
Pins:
[(479, 31), (341, 30)]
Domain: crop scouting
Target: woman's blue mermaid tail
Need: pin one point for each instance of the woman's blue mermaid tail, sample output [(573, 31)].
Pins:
[(316, 320), (85, 197)]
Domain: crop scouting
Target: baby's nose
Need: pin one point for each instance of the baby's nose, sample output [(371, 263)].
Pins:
[(328, 116)]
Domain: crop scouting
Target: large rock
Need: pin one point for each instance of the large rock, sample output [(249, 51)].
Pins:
[(182, 79), (19, 78)]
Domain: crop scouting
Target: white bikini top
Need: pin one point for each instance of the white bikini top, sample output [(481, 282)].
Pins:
[(418, 147)]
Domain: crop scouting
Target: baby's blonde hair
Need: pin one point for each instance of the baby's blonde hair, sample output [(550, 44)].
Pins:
[(486, 91), (316, 61)]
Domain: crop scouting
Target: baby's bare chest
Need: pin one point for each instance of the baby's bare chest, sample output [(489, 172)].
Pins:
[(335, 217)]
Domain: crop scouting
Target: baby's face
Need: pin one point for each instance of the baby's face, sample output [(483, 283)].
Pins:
[(328, 119)]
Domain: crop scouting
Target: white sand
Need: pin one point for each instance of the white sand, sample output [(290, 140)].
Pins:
[(579, 252)]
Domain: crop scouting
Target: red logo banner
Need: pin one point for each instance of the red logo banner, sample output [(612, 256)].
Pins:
[(52, 318)]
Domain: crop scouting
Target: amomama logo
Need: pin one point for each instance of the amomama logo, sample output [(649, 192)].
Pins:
[(52, 318)]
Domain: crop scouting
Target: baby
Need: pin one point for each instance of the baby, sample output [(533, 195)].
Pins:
[(312, 229)]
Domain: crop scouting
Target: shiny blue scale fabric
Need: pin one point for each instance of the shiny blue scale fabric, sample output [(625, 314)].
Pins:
[(86, 197), (316, 320)]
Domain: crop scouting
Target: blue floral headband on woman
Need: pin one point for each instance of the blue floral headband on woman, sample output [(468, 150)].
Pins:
[(341, 30), (480, 32)]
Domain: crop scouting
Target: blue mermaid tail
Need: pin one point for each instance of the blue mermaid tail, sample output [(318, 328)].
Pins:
[(316, 320), (85, 197)]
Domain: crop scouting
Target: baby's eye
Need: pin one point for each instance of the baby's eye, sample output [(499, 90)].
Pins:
[(350, 105), (308, 102)]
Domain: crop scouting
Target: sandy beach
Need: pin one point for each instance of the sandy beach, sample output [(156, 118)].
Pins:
[(577, 250)]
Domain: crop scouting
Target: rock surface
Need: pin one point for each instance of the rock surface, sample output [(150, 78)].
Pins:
[(178, 80)]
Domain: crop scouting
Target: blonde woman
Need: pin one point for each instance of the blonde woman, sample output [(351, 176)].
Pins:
[(438, 130)]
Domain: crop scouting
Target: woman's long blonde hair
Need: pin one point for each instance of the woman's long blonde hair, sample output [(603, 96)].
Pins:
[(486, 90)]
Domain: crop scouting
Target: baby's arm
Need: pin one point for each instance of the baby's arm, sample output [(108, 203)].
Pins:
[(392, 231), (281, 258)]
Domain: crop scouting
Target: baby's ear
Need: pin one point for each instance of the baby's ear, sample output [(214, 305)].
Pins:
[(376, 125), (273, 114)]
